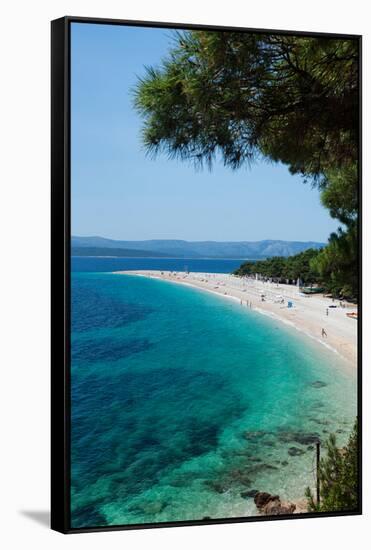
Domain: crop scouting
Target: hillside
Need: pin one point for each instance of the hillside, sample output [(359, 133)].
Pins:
[(116, 252), (196, 249)]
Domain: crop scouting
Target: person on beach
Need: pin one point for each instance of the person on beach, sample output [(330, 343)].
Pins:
[(324, 333), (327, 311)]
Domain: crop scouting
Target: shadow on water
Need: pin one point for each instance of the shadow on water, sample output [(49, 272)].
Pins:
[(42, 517)]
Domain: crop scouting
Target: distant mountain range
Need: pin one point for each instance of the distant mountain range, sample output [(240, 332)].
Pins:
[(99, 246), (115, 252)]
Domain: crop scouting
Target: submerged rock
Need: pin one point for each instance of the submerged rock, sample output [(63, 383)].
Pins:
[(295, 451), (249, 494), (216, 486), (240, 476), (183, 479), (319, 421), (258, 468), (253, 436), (307, 439), (298, 437), (269, 443), (318, 384), (152, 507), (285, 437)]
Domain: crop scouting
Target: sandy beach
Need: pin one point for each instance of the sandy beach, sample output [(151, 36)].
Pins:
[(308, 314)]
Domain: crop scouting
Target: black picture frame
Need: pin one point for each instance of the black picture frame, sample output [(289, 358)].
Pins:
[(60, 274)]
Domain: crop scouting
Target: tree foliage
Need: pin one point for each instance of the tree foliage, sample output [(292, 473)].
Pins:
[(240, 96), (292, 99), (340, 195), (338, 476), (334, 267), (283, 269), (337, 263)]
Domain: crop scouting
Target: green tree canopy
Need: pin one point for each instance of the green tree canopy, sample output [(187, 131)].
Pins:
[(338, 477), (340, 195), (240, 96), (291, 99), (280, 268), (337, 263)]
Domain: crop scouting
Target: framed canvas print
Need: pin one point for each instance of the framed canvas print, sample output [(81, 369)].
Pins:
[(206, 249)]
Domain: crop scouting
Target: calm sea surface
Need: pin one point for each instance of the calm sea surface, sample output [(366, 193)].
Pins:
[(182, 400), (166, 264)]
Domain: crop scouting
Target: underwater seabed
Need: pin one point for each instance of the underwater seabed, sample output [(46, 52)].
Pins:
[(184, 405)]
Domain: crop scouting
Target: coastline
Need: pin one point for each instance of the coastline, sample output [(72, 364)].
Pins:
[(308, 314)]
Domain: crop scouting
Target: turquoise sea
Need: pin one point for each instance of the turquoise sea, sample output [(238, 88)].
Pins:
[(182, 401), (200, 265)]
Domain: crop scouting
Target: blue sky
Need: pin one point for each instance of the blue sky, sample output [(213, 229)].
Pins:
[(120, 193)]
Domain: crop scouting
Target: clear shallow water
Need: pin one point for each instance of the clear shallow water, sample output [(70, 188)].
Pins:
[(181, 400)]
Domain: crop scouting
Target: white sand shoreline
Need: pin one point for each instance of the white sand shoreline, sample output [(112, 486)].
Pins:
[(308, 315)]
